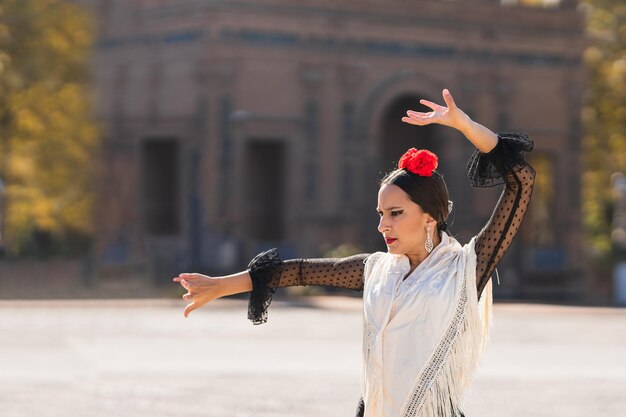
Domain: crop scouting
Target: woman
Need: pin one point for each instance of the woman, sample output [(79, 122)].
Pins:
[(427, 300)]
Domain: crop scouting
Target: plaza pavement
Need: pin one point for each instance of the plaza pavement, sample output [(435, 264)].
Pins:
[(142, 358)]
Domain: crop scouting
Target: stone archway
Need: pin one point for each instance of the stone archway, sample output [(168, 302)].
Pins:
[(385, 137)]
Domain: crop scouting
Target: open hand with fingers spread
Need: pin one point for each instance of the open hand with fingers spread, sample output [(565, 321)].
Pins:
[(200, 289), (449, 116)]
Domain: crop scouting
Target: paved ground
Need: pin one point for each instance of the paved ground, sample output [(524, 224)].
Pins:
[(141, 358)]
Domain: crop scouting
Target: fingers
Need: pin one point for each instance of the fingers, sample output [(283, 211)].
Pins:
[(190, 307), (419, 118), (447, 97), (185, 279), (187, 276), (430, 104), (415, 122), (186, 284), (411, 113)]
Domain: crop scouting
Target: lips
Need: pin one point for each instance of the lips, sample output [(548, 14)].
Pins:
[(390, 240)]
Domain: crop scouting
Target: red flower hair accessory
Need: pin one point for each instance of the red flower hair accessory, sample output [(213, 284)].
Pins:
[(421, 162)]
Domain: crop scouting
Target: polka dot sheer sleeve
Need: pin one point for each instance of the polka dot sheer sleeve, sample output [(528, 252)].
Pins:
[(504, 164), (268, 273)]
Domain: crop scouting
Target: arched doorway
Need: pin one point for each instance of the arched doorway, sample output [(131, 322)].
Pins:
[(397, 136), (394, 138)]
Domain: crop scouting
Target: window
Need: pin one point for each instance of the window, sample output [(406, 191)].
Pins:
[(264, 188), (160, 187)]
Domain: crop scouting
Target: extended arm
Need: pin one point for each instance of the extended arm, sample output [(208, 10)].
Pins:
[(267, 272)]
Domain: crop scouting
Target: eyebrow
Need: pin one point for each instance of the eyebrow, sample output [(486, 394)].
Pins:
[(390, 208)]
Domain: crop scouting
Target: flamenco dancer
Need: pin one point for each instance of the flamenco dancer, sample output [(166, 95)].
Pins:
[(427, 300)]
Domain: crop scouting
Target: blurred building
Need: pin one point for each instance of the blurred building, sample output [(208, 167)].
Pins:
[(235, 126)]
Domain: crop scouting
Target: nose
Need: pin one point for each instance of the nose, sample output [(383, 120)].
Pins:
[(383, 226)]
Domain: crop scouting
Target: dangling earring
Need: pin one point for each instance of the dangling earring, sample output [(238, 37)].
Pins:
[(429, 242)]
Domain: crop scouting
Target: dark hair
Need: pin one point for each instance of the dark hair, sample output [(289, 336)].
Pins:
[(430, 193)]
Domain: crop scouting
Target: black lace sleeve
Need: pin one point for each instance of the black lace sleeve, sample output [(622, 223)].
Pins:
[(268, 273), (265, 270), (490, 169), (504, 164)]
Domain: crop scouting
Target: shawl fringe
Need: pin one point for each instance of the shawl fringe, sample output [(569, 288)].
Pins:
[(439, 388)]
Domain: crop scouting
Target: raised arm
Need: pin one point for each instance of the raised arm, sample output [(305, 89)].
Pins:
[(498, 160), (504, 164), (268, 273)]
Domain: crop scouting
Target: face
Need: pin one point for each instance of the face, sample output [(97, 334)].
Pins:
[(402, 221)]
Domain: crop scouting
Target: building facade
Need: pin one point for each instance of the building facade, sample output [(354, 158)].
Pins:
[(231, 127)]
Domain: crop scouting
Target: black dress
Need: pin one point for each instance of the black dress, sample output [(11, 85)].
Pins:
[(504, 164)]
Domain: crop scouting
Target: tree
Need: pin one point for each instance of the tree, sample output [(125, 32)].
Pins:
[(48, 138), (604, 116)]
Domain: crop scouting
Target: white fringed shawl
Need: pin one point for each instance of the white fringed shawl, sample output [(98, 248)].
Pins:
[(424, 335)]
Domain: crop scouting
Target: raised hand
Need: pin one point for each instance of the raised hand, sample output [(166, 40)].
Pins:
[(483, 138), (200, 290), (449, 116)]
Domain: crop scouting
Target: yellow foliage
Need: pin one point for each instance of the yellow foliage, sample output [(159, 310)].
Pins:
[(604, 117), (48, 147)]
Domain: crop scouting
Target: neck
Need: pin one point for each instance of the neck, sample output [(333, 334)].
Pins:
[(417, 257)]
